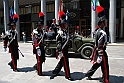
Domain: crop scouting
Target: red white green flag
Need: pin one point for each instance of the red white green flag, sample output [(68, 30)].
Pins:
[(95, 3)]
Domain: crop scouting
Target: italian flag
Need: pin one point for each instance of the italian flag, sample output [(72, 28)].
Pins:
[(95, 3), (60, 9)]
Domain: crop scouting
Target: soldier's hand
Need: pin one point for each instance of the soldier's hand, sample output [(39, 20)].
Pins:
[(99, 59), (60, 55), (39, 52)]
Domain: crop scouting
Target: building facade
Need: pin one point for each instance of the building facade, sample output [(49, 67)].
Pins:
[(80, 17)]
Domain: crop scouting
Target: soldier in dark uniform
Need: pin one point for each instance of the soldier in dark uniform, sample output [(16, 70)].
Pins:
[(99, 57), (10, 41), (38, 46), (62, 48)]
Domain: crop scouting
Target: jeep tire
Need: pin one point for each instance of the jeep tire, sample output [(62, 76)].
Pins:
[(49, 52), (86, 52)]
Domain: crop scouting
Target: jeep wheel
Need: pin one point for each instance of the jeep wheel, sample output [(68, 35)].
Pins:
[(86, 52), (48, 52)]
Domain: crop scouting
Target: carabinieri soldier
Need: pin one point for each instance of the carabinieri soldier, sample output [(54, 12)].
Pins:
[(62, 48), (99, 57), (38, 45), (10, 41)]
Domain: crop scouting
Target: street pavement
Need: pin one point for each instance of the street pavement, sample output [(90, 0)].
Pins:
[(78, 67)]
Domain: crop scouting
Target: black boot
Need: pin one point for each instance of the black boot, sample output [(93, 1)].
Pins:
[(69, 78), (10, 64), (16, 70), (35, 66), (54, 74), (88, 77)]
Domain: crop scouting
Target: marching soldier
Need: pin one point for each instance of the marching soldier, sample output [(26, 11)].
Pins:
[(62, 48), (38, 46), (10, 41), (99, 57)]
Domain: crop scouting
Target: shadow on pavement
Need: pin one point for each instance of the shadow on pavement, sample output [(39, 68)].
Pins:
[(112, 79), (116, 79), (74, 75), (4, 82), (26, 69), (77, 75)]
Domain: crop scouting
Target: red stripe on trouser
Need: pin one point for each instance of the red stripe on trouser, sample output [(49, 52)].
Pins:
[(65, 65), (13, 62), (39, 66), (105, 70)]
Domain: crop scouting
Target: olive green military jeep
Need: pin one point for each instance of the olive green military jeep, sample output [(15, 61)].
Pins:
[(77, 44)]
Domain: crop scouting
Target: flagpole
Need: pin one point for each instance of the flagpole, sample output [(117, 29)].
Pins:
[(61, 5), (57, 6), (6, 15), (67, 19), (16, 11), (93, 18)]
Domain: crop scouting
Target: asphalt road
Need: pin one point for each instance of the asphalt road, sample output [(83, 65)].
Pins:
[(78, 67)]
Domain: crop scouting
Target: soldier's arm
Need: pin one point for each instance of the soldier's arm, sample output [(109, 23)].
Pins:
[(36, 45), (102, 37), (59, 47), (105, 38), (5, 39), (59, 43)]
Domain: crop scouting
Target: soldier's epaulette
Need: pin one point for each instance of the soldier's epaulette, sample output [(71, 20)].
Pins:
[(8, 32), (60, 32), (35, 31)]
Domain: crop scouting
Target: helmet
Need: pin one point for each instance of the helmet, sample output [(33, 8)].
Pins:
[(62, 17), (13, 20), (41, 19), (101, 13)]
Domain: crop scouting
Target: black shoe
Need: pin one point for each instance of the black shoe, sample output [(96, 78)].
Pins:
[(53, 75), (103, 80), (35, 66), (69, 78), (55, 72), (86, 75), (16, 70), (10, 64), (89, 78)]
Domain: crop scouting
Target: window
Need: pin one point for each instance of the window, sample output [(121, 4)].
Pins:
[(47, 8), (37, 9), (50, 8), (1, 13), (24, 10), (34, 9), (75, 5), (71, 5), (122, 3), (21, 11)]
